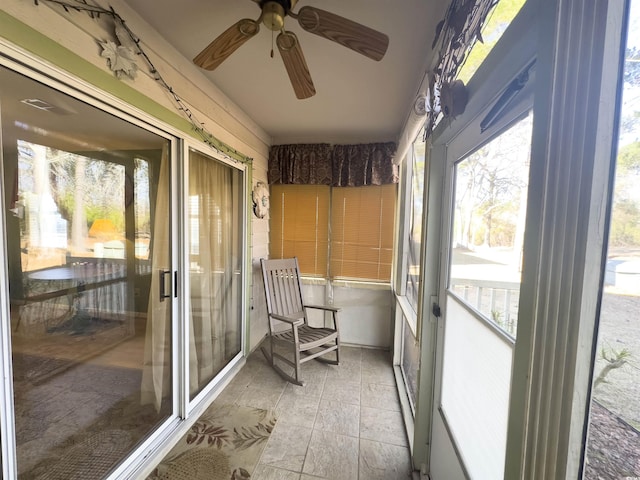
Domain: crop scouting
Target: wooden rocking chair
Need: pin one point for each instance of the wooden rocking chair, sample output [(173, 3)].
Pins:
[(283, 291)]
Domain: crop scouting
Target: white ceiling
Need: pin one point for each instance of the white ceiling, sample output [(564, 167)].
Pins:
[(357, 99)]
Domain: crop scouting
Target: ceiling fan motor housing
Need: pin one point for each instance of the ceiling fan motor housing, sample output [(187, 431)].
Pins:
[(274, 11), (286, 4), (273, 16)]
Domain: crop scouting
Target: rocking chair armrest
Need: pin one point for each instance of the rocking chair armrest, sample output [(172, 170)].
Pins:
[(334, 312), (324, 307), (294, 321)]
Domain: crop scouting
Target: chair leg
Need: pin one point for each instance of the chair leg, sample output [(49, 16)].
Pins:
[(271, 358), (288, 377), (332, 362), (296, 357), (268, 353)]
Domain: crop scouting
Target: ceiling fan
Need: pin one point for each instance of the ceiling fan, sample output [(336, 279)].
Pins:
[(357, 37)]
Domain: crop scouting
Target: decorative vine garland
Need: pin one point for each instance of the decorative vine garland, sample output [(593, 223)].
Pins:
[(121, 64)]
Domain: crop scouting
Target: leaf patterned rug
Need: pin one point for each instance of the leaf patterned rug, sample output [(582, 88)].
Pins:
[(225, 443)]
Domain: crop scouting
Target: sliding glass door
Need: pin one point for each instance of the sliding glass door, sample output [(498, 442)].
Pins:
[(215, 244), (123, 293), (91, 282)]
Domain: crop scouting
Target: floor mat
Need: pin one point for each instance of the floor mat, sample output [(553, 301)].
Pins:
[(225, 443)]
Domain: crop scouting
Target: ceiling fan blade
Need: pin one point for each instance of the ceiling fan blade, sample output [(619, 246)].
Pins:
[(295, 64), (227, 43), (357, 37)]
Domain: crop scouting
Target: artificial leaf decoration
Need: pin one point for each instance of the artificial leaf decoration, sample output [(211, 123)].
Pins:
[(121, 60), (124, 35)]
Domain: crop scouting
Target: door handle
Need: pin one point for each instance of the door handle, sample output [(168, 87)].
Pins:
[(163, 276)]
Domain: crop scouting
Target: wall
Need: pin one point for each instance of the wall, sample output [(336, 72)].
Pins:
[(366, 311), (47, 28)]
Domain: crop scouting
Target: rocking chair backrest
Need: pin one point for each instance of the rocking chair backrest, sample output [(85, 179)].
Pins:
[(282, 288)]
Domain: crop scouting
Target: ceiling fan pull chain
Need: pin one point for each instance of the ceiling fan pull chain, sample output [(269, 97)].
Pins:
[(272, 43)]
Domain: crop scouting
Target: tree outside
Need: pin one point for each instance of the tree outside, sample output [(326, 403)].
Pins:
[(613, 448)]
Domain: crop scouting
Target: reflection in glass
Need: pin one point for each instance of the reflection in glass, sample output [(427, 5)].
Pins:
[(215, 248), (82, 243), (410, 352), (410, 363), (613, 444), (415, 229), (488, 225)]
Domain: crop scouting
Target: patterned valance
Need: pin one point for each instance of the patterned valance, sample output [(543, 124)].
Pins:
[(338, 165), (364, 164), (302, 164)]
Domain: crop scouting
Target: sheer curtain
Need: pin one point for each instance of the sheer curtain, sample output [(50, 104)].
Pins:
[(214, 316), (156, 371), (214, 221)]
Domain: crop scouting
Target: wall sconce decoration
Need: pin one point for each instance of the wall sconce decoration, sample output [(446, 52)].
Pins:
[(453, 99), (260, 196)]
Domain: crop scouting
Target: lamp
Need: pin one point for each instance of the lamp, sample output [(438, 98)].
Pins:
[(103, 228)]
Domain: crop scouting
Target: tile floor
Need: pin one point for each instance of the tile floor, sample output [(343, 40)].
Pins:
[(345, 423)]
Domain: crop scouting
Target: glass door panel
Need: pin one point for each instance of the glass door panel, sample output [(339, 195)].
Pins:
[(215, 266), (488, 226), (410, 363), (87, 198), (486, 238), (613, 444), (416, 196)]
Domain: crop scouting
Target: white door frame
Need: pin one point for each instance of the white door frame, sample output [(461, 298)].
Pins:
[(450, 142), (578, 55)]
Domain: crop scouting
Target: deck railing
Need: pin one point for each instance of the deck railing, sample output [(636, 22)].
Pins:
[(498, 301)]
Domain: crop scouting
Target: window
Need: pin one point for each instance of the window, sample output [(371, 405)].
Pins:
[(362, 232), (355, 223), (300, 225), (496, 24), (414, 197), (613, 443), (417, 157), (488, 225)]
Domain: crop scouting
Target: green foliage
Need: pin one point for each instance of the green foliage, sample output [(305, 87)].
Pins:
[(614, 359), (629, 158), (496, 316), (632, 66), (497, 23), (625, 224)]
